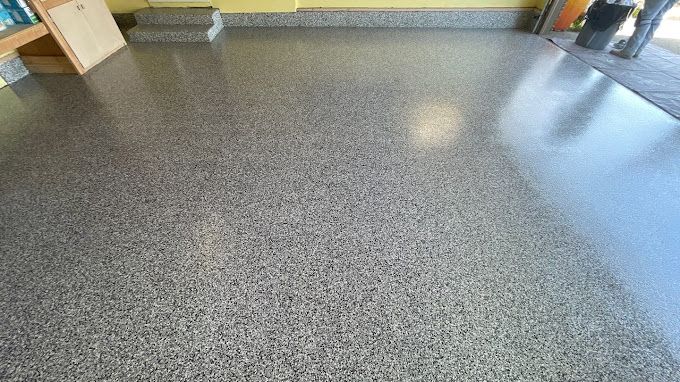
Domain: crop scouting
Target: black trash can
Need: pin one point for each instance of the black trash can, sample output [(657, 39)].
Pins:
[(603, 20)]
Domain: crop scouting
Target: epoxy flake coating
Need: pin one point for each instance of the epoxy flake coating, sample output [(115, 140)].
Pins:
[(328, 204)]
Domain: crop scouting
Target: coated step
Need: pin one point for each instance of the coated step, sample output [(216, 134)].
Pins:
[(174, 33), (177, 16)]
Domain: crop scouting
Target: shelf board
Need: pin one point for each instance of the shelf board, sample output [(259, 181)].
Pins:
[(49, 4), (17, 35)]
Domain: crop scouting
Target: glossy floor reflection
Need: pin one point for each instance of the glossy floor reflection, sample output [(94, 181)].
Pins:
[(346, 204)]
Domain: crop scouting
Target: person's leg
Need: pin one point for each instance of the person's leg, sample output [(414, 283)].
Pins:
[(654, 25), (643, 25)]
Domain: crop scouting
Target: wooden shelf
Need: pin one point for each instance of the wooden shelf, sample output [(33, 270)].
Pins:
[(49, 4), (17, 35), (67, 26)]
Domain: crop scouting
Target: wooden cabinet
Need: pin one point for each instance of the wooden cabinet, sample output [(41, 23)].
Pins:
[(76, 30), (103, 26), (88, 28), (74, 36)]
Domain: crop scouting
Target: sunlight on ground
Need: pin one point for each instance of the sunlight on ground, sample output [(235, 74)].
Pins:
[(668, 34), (670, 28)]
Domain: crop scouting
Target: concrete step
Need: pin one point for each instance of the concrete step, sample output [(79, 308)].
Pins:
[(177, 16), (174, 33)]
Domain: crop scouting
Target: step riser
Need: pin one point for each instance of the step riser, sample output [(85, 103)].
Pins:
[(177, 19), (175, 36), (169, 37)]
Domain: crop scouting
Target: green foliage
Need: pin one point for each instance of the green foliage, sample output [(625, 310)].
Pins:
[(577, 25)]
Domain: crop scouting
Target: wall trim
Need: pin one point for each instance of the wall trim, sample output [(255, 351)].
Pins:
[(503, 18), (489, 18)]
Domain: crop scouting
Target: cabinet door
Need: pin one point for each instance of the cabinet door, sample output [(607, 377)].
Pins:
[(77, 32), (104, 28)]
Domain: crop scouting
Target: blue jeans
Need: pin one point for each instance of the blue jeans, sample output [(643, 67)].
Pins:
[(647, 21)]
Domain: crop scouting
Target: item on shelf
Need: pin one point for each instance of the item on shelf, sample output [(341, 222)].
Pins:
[(82, 34), (24, 16), (6, 17), (14, 4)]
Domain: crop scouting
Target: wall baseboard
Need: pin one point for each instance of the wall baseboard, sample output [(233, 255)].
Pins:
[(491, 18), (488, 18)]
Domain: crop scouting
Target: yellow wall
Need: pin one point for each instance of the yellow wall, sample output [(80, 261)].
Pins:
[(415, 3), (205, 4), (247, 6), (126, 6), (3, 54), (234, 6)]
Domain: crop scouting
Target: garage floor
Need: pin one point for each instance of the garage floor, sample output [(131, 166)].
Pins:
[(346, 204)]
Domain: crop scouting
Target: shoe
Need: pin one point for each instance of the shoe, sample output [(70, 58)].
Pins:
[(619, 53), (620, 45)]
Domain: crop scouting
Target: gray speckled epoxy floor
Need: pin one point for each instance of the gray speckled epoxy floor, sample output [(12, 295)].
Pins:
[(338, 204)]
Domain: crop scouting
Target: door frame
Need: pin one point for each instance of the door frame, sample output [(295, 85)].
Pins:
[(546, 21)]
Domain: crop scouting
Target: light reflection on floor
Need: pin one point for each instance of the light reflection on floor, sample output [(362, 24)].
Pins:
[(615, 173)]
